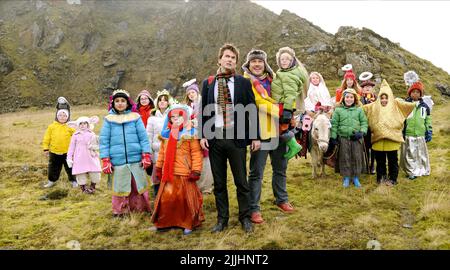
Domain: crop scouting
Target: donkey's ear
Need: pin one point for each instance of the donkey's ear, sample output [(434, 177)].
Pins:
[(330, 113), (72, 124), (94, 119)]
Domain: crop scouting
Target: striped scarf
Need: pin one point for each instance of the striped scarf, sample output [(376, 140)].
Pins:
[(224, 97), (257, 83)]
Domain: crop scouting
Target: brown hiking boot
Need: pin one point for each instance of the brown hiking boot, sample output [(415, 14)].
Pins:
[(257, 218), (286, 207)]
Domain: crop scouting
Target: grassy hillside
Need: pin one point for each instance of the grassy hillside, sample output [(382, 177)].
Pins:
[(56, 49), (411, 215)]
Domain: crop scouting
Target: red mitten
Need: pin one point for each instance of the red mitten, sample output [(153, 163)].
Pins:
[(146, 160), (159, 173), (107, 167), (281, 108), (317, 106), (194, 176)]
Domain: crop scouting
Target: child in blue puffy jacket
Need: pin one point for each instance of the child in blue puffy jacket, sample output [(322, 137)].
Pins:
[(125, 150)]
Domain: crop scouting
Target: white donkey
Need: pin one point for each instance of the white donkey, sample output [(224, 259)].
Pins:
[(320, 136)]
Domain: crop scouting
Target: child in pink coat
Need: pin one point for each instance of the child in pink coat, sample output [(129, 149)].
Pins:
[(83, 155)]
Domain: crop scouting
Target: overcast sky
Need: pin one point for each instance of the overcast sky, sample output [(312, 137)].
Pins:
[(421, 27)]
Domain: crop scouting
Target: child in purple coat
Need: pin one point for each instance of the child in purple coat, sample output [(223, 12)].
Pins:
[(83, 155)]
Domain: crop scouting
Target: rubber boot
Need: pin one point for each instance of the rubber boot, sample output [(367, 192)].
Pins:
[(287, 136), (356, 182), (346, 182), (294, 148)]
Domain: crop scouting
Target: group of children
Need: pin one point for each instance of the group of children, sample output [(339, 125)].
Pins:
[(158, 137), (377, 130), (129, 145)]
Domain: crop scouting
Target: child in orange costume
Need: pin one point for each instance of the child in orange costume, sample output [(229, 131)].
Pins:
[(179, 200)]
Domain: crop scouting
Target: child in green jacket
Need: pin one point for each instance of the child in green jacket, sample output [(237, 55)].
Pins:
[(418, 132), (348, 127), (288, 89)]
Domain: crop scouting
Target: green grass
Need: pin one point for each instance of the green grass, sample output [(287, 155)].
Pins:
[(411, 215)]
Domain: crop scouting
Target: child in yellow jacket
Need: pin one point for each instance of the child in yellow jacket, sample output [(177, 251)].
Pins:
[(56, 144)]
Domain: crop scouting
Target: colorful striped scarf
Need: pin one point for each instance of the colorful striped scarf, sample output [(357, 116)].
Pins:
[(224, 96), (256, 82)]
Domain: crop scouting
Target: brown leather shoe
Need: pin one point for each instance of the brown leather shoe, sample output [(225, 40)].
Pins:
[(286, 207), (257, 218)]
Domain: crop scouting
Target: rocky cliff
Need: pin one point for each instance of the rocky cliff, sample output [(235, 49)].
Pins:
[(85, 49)]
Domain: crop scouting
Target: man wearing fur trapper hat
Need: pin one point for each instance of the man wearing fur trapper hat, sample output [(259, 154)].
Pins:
[(260, 74)]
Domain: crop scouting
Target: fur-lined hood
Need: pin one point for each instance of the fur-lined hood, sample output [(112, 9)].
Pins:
[(289, 51)]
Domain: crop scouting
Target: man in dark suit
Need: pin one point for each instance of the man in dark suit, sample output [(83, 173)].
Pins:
[(228, 124)]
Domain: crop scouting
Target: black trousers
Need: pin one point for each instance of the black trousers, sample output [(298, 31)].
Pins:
[(55, 164), (392, 158), (219, 152), (369, 152)]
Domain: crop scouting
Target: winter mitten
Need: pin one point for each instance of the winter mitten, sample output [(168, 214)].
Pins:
[(306, 123), (280, 110), (194, 176), (356, 136), (428, 135), (146, 160), (294, 148), (107, 167), (69, 163)]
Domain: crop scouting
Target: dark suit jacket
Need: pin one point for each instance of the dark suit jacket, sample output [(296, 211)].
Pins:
[(243, 94)]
